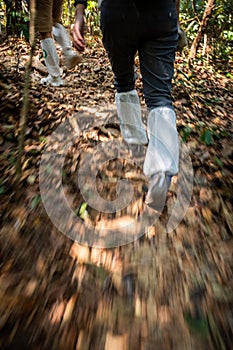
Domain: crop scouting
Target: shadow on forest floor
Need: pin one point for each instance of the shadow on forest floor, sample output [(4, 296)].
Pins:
[(161, 291)]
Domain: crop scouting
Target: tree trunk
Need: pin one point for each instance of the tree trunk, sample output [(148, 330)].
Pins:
[(202, 28), (24, 112)]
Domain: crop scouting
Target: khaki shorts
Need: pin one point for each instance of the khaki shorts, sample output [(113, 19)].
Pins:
[(48, 12)]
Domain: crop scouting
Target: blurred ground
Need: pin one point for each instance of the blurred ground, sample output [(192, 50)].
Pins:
[(164, 291)]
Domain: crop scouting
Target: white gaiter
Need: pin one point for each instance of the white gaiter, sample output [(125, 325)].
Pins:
[(129, 114), (50, 57), (163, 150)]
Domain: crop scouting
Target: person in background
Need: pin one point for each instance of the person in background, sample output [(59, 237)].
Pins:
[(48, 22), (151, 29)]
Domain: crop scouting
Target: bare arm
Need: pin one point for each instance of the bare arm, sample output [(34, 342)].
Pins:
[(79, 28)]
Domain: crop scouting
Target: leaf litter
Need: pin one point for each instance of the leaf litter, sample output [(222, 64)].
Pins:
[(162, 291)]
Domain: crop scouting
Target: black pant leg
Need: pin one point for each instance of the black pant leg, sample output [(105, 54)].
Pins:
[(157, 50), (118, 26)]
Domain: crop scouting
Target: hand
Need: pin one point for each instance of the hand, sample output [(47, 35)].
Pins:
[(79, 30), (182, 40)]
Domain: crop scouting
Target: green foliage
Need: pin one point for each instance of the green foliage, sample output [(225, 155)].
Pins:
[(198, 324), (221, 30), (68, 13), (2, 16), (92, 16), (14, 16), (2, 187), (35, 201), (185, 133), (23, 25), (207, 137), (82, 210), (219, 162), (220, 26), (206, 134)]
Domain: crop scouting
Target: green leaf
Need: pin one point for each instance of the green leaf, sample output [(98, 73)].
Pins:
[(201, 123), (219, 163), (31, 179), (185, 133), (207, 138), (229, 75), (36, 200), (197, 324), (82, 210), (64, 175)]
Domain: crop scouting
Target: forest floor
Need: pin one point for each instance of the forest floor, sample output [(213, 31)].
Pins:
[(160, 291)]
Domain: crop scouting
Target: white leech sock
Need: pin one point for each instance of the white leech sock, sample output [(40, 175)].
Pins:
[(50, 57), (129, 114), (163, 150)]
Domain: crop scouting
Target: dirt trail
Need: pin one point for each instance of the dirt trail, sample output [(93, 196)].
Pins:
[(162, 291)]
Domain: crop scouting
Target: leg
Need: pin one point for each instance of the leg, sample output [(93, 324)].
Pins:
[(44, 24), (120, 43), (162, 156), (157, 57), (44, 16), (57, 10), (157, 60), (71, 58)]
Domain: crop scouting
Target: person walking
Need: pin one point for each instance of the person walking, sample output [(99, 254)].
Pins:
[(48, 23), (149, 28)]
